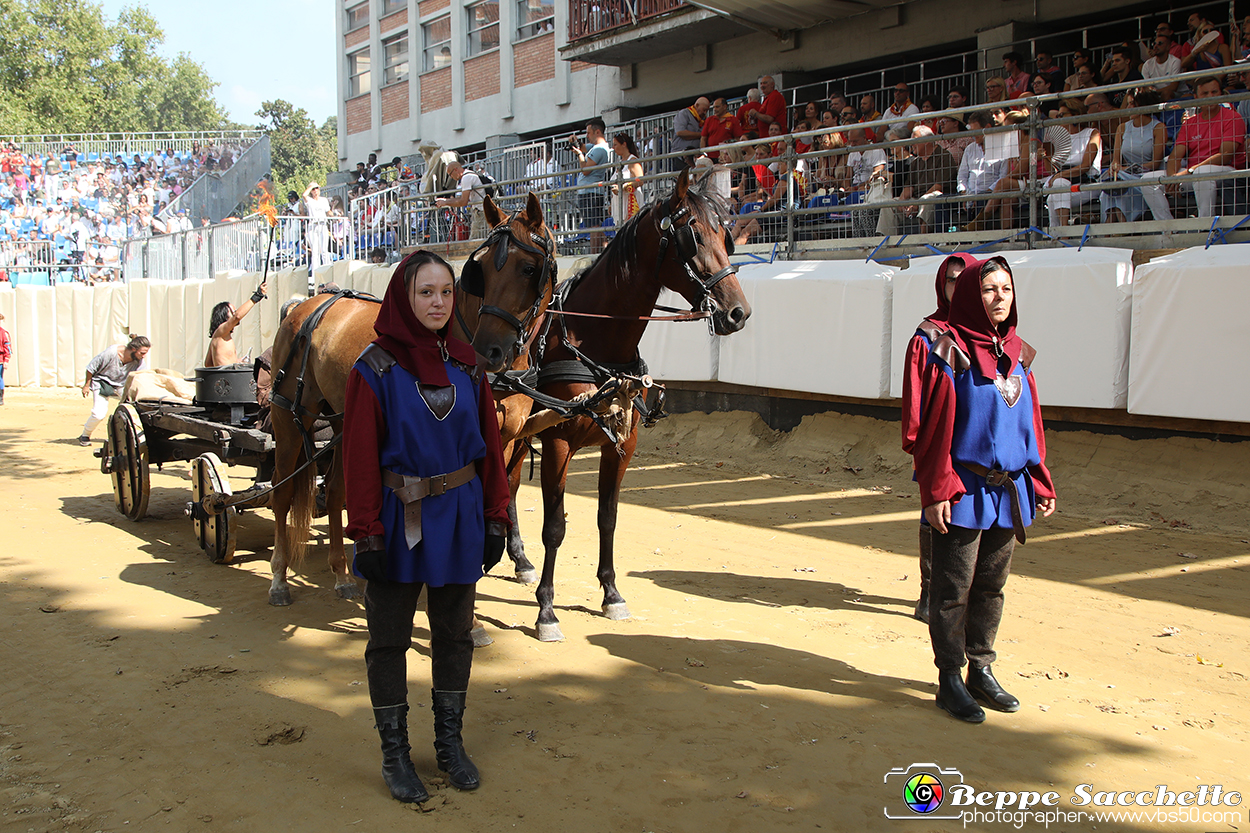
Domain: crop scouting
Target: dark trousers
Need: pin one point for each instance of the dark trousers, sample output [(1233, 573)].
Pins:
[(390, 608), (970, 568)]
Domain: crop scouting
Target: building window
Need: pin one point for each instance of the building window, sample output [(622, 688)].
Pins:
[(358, 69), (358, 16), (392, 6), (483, 26), (396, 52), (436, 43), (535, 17)]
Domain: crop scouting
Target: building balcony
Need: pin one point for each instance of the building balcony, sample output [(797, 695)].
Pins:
[(621, 32)]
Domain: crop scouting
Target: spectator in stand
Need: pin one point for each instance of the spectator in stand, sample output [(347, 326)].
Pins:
[(1211, 141), (1081, 166), (828, 118), (772, 105), (1241, 40), (720, 128), (1017, 80), (1198, 27), (1161, 64), (995, 90), (749, 109), (1140, 145), (1099, 105), (902, 110), (952, 137), (1209, 52), (837, 103), (470, 194), (688, 133), (929, 104), (863, 164), (1243, 106), (591, 182), (1045, 65), (1041, 87), (748, 224), (977, 172), (377, 255), (627, 193), (826, 168), (931, 175), (848, 116), (868, 111), (957, 97)]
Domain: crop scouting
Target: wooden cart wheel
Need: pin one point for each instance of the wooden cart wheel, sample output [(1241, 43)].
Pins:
[(215, 533), (128, 446)]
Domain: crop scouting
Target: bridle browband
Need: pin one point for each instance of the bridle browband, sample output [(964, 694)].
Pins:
[(548, 268)]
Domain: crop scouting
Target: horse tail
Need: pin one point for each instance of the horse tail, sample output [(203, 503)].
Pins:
[(303, 507)]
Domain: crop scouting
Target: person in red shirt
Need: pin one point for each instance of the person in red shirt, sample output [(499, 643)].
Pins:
[(721, 128), (772, 105), (1211, 141), (748, 110)]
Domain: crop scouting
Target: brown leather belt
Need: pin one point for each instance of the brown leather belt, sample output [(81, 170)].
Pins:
[(410, 490), (1003, 480)]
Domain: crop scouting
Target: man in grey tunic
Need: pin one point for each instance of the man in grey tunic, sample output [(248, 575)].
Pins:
[(106, 376)]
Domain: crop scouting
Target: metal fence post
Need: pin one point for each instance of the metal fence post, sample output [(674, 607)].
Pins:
[(792, 163), (1031, 191)]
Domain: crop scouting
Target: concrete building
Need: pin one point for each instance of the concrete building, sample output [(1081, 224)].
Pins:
[(469, 74)]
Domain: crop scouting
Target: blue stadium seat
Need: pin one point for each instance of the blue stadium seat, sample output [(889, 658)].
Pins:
[(748, 207)]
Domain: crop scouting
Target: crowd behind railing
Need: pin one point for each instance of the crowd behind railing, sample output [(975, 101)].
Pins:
[(72, 209), (1040, 146)]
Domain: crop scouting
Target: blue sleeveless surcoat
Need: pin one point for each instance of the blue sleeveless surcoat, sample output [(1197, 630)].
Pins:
[(417, 443)]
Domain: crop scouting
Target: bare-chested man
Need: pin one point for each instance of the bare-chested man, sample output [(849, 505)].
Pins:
[(221, 326)]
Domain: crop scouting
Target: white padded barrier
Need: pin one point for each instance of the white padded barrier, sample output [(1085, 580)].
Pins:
[(818, 326), (1189, 335), (680, 351), (1059, 292)]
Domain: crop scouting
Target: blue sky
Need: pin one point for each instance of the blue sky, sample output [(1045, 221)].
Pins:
[(255, 51)]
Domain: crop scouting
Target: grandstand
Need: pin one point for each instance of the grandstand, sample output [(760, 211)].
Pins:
[(70, 203)]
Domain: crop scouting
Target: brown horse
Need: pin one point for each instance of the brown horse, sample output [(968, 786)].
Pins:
[(511, 302), (678, 242)]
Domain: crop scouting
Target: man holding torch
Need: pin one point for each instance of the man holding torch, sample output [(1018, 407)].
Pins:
[(221, 326)]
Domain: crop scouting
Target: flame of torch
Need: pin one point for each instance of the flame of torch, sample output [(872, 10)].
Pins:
[(269, 210)]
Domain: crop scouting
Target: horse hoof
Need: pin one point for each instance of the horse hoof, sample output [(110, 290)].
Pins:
[(480, 637), (280, 598), (550, 632), (527, 576), (348, 591), (616, 611)]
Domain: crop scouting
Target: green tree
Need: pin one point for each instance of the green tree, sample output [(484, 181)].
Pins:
[(66, 68), (300, 151)]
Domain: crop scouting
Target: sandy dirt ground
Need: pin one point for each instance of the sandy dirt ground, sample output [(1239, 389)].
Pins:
[(770, 678)]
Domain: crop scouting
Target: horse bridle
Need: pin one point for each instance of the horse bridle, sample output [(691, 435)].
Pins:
[(685, 241), (548, 269)]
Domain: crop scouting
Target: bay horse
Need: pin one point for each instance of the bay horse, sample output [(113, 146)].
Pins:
[(679, 242), (515, 286)]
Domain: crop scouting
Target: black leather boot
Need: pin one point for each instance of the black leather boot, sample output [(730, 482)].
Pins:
[(983, 686), (397, 769), (926, 571), (953, 697), (448, 745)]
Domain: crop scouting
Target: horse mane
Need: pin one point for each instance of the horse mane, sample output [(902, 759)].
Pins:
[(621, 254)]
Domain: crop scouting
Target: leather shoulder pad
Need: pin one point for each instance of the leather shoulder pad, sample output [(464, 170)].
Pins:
[(377, 359), (1027, 354), (930, 330), (948, 351)]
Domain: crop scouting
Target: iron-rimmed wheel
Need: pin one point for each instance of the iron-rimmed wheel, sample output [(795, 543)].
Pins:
[(214, 532), (128, 447)]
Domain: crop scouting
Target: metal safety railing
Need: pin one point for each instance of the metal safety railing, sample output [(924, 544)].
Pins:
[(96, 145), (588, 18)]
